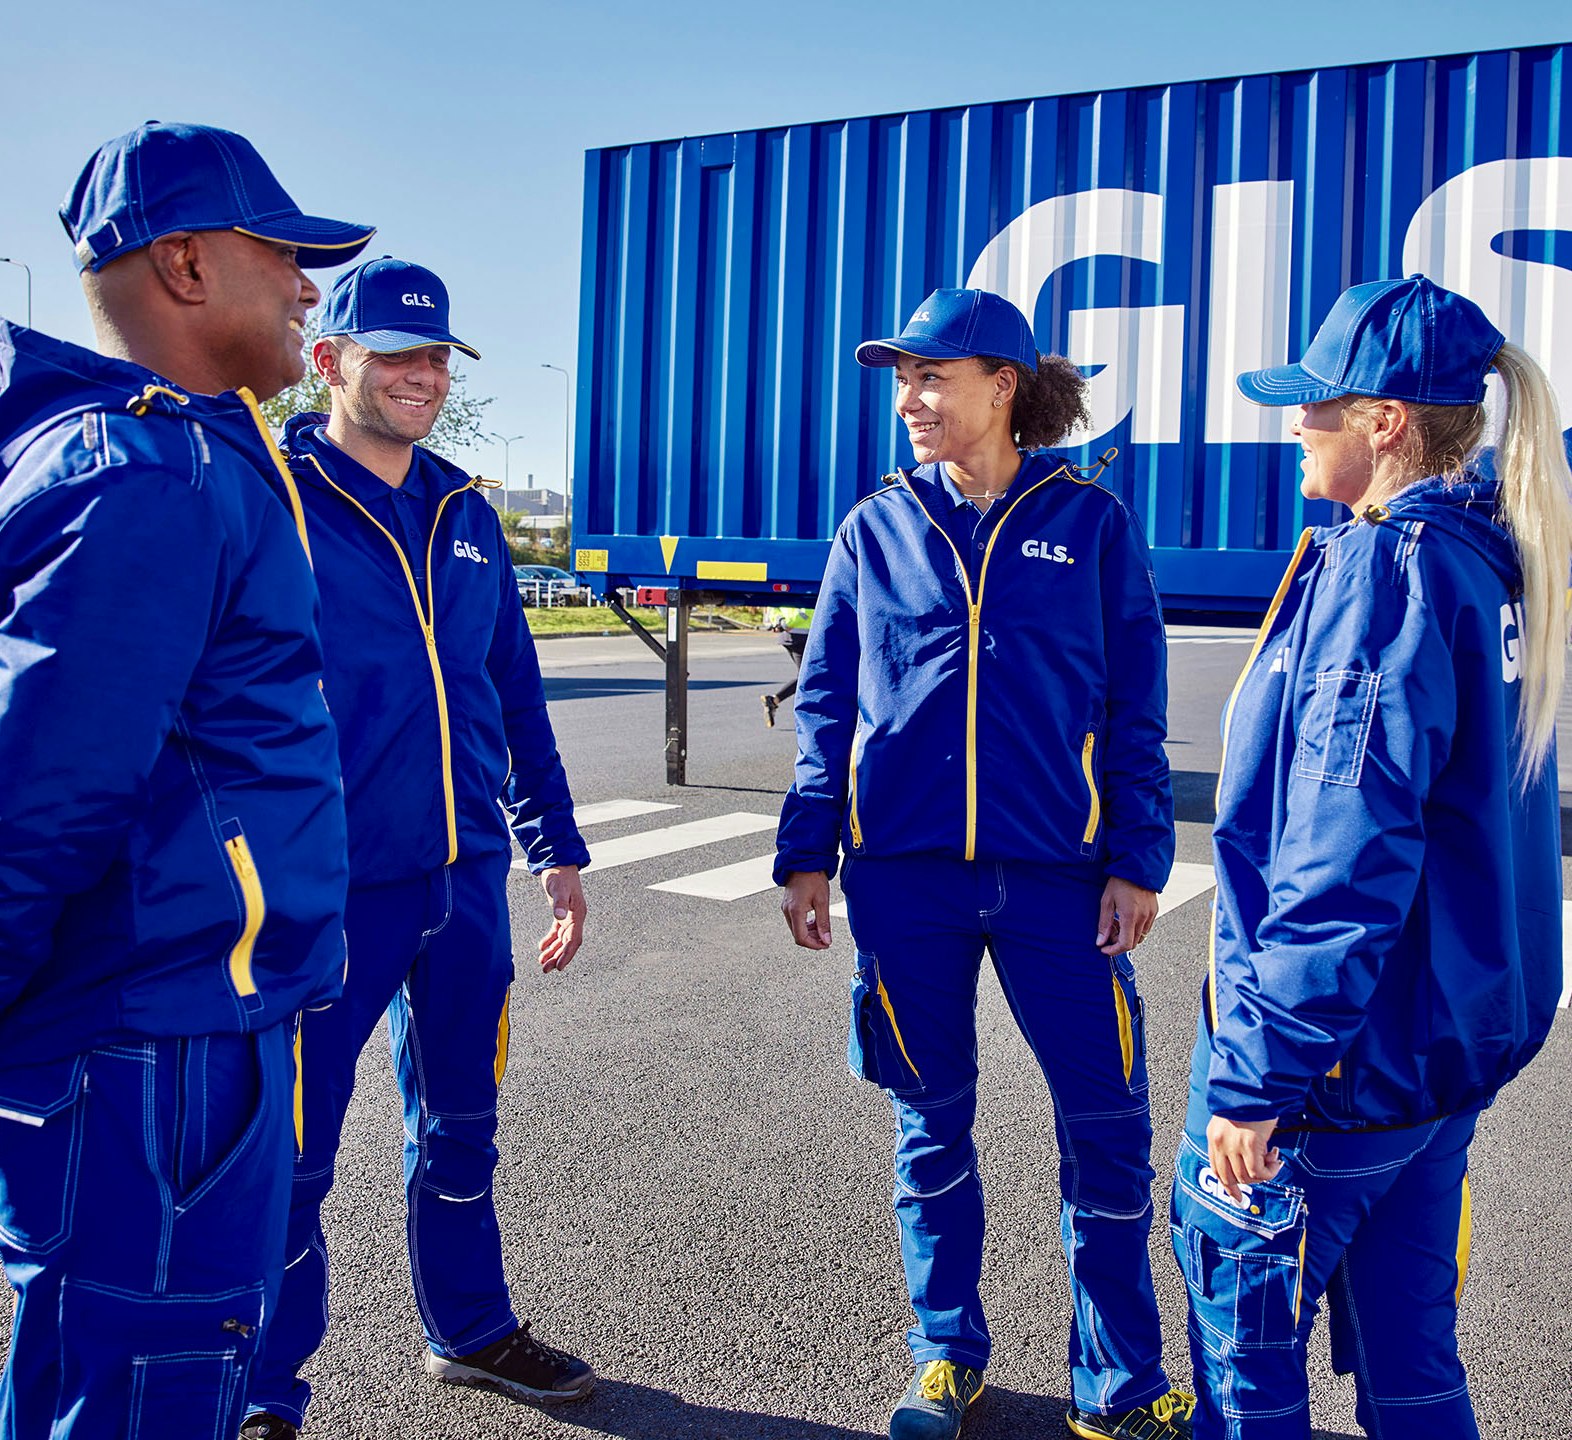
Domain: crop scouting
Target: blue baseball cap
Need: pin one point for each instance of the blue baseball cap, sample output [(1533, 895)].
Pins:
[(955, 324), (1392, 339), (389, 305), (160, 179)]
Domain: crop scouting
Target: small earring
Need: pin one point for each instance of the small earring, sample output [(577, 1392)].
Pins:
[(997, 404)]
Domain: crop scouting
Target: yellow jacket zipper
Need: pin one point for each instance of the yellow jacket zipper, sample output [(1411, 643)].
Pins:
[(281, 465), (428, 623), (974, 644), (1228, 715)]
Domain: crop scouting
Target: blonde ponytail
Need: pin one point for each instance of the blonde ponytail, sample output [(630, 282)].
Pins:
[(1536, 503)]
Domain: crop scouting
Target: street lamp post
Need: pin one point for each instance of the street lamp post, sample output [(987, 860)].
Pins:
[(7, 260), (506, 441), (567, 452)]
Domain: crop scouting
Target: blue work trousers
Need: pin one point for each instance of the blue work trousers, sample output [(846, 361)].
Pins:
[(435, 954), (1377, 1223), (921, 926), (143, 1193)]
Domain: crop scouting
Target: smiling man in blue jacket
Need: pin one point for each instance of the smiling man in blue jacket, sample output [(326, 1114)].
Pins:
[(434, 683), (172, 849)]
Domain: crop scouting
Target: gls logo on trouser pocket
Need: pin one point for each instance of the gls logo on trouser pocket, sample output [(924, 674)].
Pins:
[(465, 551)]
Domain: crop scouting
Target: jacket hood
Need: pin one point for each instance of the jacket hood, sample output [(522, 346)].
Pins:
[(304, 437), (43, 380), (1469, 510)]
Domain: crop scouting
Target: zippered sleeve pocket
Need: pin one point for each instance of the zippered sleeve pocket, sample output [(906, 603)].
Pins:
[(253, 905)]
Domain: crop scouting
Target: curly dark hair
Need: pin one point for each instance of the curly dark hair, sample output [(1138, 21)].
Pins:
[(1050, 401)]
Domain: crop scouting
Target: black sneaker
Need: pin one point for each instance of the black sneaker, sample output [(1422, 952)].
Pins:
[(1166, 1418), (518, 1365), (771, 705), (264, 1425)]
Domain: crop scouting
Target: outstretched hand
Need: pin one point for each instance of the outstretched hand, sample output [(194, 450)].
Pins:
[(559, 944), (806, 906)]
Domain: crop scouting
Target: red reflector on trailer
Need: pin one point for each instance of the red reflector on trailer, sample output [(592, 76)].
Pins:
[(779, 588), (648, 595)]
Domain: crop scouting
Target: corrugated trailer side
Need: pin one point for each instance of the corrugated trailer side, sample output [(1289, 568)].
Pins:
[(1164, 238)]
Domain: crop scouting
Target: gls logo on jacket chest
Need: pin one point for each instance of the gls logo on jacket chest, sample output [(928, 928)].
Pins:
[(1042, 550), (465, 551)]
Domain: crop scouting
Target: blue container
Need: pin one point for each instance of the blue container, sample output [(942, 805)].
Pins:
[(1163, 238)]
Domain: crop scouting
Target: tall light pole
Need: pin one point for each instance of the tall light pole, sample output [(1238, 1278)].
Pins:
[(7, 260), (567, 452), (506, 441)]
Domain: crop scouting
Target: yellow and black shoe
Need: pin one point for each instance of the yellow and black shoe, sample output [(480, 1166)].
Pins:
[(264, 1425), (1166, 1418), (936, 1401)]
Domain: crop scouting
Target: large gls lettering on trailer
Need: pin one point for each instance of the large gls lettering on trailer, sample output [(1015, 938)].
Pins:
[(1461, 235)]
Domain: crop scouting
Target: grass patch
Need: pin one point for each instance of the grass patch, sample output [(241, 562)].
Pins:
[(598, 620)]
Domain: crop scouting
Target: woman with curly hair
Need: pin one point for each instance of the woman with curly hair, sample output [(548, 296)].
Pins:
[(980, 722)]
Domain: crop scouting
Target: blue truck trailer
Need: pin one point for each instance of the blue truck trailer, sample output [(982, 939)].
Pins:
[(1164, 238)]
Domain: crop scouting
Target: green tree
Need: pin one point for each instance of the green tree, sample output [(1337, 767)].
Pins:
[(458, 422)]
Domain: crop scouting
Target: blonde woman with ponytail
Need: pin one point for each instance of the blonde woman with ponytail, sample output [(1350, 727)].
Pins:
[(1386, 950)]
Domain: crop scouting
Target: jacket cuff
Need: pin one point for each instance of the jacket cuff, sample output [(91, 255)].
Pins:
[(798, 863)]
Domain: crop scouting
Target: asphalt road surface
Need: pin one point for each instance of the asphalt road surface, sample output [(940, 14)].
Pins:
[(694, 1192)]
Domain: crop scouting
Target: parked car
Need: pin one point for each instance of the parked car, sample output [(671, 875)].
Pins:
[(546, 585)]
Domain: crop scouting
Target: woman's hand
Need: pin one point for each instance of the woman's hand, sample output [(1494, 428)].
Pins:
[(1127, 914), (1237, 1151), (806, 906)]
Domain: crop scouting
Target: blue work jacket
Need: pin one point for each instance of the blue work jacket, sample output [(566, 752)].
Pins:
[(172, 854), (989, 691), (1387, 942), (431, 671)]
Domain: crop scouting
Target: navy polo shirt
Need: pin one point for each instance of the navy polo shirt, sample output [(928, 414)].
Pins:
[(968, 526)]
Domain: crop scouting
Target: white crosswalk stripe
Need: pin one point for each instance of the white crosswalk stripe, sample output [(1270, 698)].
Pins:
[(1566, 954), (648, 844), (602, 812), (727, 882), (1187, 881)]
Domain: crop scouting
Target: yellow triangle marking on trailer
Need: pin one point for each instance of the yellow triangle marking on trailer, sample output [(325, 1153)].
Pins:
[(668, 548)]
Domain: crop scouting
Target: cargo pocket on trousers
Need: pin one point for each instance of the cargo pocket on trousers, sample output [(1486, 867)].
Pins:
[(1243, 1263), (1130, 1013), (875, 1048), (181, 1361), (41, 1139)]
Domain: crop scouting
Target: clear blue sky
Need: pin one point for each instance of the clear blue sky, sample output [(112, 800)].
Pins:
[(459, 128)]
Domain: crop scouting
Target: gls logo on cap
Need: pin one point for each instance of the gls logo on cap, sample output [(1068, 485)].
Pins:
[(465, 551), (1042, 550), (425, 302)]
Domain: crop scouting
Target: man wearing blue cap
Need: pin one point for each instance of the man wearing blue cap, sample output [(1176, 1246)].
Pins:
[(172, 843), (434, 683)]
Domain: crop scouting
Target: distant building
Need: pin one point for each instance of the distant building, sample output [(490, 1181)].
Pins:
[(539, 508)]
